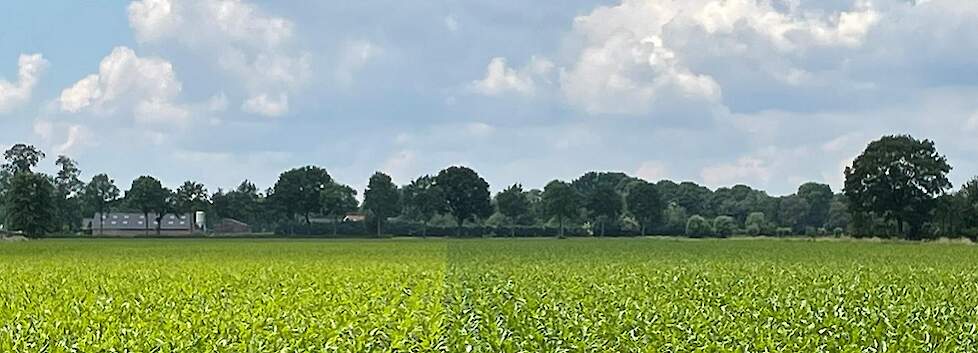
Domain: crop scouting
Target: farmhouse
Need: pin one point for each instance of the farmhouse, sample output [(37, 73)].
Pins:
[(355, 217), (122, 224)]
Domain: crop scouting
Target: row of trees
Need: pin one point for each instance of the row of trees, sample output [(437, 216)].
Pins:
[(898, 186), (35, 203)]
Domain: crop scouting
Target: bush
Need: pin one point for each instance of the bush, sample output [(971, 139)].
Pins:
[(756, 223), (697, 226), (724, 226), (753, 230), (497, 220)]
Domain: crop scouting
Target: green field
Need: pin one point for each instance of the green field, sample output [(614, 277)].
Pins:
[(545, 295)]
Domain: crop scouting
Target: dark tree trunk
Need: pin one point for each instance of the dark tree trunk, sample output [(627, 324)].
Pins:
[(560, 233), (159, 223), (512, 229), (380, 225), (602, 229), (336, 220), (292, 224), (424, 229), (101, 222), (900, 227), (308, 222), (914, 230), (458, 226)]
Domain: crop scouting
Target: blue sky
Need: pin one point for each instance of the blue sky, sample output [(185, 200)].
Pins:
[(769, 93)]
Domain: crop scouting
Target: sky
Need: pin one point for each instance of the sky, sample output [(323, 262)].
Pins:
[(768, 93)]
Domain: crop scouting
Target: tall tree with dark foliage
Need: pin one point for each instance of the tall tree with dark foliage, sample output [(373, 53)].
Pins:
[(898, 178), (423, 200), (562, 201), (297, 191), (466, 195), (513, 203), (381, 199), (100, 194), (645, 204)]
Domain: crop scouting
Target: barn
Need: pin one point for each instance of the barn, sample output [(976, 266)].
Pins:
[(132, 224)]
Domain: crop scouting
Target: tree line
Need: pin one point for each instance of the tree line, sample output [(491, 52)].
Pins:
[(897, 187)]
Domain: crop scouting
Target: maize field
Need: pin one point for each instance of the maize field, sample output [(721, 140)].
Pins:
[(487, 295)]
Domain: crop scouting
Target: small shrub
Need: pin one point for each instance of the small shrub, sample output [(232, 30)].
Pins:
[(697, 226), (724, 226)]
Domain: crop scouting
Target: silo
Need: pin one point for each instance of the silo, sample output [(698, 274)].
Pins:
[(201, 220)]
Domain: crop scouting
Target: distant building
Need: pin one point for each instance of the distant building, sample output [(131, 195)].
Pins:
[(231, 226), (355, 217), (123, 224)]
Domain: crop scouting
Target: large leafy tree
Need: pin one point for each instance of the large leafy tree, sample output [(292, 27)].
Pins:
[(969, 202), (513, 204), (148, 196), (297, 191), (466, 194), (29, 203), (898, 178), (423, 200), (739, 201), (950, 215), (645, 204), (338, 199), (166, 204), (244, 203), (26, 198), (382, 199), (591, 181), (603, 204), (756, 224), (560, 200), (100, 194), (21, 158), (696, 199), (191, 197), (819, 197), (839, 217), (5, 177), (794, 211), (68, 187), (67, 179), (536, 214), (674, 218)]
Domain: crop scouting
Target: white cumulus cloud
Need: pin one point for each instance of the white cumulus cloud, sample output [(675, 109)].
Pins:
[(265, 105), (657, 57), (145, 86), (62, 138), (29, 69), (501, 78), (750, 170), (788, 29), (248, 44)]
